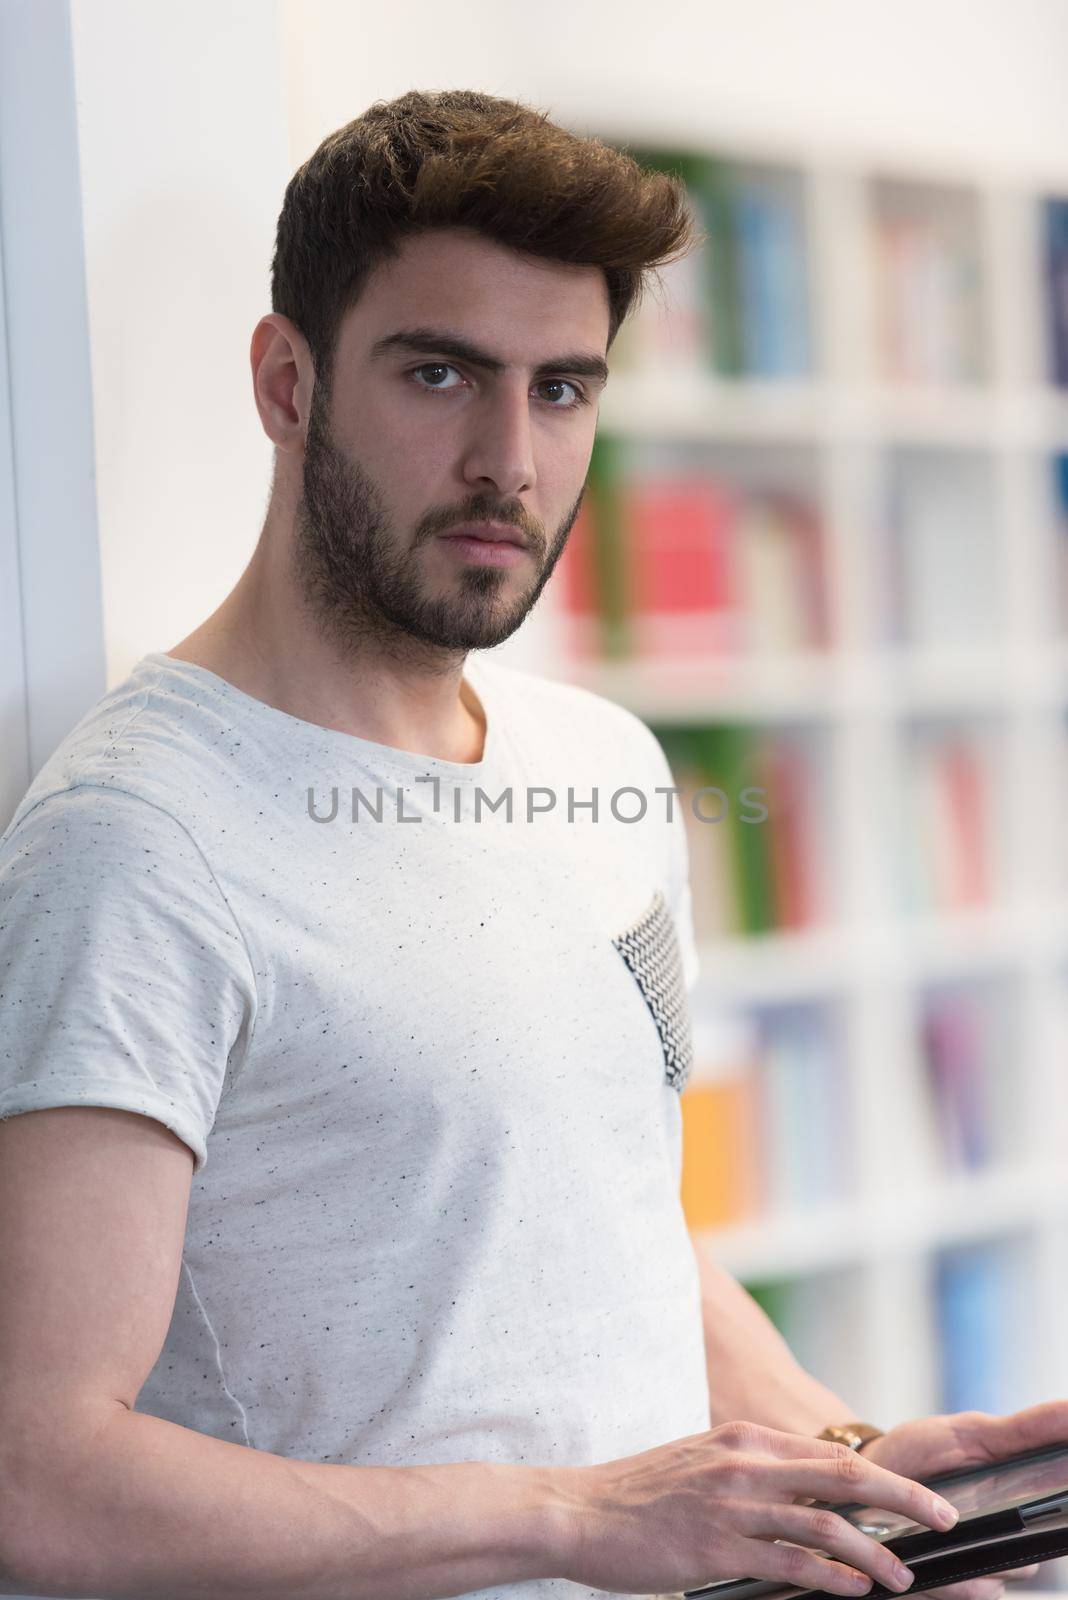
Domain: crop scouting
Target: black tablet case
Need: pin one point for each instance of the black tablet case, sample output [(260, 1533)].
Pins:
[(973, 1561), (978, 1558)]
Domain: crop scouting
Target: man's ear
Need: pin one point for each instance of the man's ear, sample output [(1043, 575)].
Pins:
[(283, 378)]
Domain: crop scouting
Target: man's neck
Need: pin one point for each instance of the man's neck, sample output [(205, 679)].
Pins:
[(438, 718)]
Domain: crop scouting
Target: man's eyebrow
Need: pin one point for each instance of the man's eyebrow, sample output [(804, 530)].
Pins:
[(425, 340)]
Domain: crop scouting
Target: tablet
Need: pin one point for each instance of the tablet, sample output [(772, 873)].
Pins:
[(994, 1501)]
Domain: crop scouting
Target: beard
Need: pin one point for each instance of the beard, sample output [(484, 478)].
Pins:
[(364, 587)]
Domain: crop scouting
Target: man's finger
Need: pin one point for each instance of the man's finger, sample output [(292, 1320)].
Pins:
[(1029, 1429)]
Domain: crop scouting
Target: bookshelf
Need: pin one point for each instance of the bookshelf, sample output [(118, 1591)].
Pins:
[(825, 547)]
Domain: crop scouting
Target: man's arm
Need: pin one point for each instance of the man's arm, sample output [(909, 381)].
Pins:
[(753, 1376), (131, 1505), (96, 1498)]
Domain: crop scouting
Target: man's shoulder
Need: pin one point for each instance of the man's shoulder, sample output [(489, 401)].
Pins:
[(125, 750)]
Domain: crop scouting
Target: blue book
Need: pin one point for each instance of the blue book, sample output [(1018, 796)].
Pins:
[(787, 268), (968, 1294), (1060, 484), (773, 277), (1057, 286), (756, 313)]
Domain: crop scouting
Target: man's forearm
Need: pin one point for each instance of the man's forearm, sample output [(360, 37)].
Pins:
[(753, 1375), (145, 1508)]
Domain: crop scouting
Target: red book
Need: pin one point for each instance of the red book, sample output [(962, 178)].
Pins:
[(575, 571), (963, 779), (790, 835), (812, 571), (679, 534)]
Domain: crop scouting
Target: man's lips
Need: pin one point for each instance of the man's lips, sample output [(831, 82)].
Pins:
[(489, 533)]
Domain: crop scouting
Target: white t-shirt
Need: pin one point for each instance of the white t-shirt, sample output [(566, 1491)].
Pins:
[(429, 1069)]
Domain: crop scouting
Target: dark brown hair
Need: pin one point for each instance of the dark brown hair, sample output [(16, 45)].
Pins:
[(459, 158)]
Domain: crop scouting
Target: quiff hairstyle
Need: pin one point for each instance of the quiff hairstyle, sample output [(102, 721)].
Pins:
[(459, 158)]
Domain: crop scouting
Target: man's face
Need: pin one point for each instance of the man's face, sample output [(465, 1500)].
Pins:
[(411, 442)]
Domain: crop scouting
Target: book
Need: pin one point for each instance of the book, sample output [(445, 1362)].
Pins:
[(961, 770), (784, 773), (1059, 466), (679, 537), (930, 296), (769, 578), (970, 1297), (724, 753), (772, 273), (595, 580), (721, 1158), (1056, 261), (723, 268), (952, 1038), (712, 885), (948, 834)]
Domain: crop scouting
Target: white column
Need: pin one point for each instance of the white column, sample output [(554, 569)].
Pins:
[(51, 638), (182, 129)]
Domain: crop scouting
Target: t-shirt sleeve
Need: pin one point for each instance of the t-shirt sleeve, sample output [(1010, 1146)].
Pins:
[(124, 978)]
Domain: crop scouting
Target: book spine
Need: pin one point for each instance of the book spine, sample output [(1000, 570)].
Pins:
[(1057, 287), (725, 756), (724, 296), (967, 1292), (610, 549)]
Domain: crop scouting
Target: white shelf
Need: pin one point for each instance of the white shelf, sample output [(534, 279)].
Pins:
[(927, 946), (822, 684), (704, 409), (953, 1211), (840, 435)]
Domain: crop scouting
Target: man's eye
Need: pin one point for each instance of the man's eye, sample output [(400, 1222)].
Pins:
[(579, 400), (431, 366), (443, 366)]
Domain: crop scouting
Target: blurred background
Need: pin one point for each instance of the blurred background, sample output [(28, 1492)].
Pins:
[(823, 552)]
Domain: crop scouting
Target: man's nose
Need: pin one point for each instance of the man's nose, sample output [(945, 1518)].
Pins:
[(500, 447)]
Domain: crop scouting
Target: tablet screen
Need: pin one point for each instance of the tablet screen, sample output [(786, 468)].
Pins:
[(974, 1491)]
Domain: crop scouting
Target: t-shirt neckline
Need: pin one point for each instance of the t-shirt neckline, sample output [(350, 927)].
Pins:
[(350, 743)]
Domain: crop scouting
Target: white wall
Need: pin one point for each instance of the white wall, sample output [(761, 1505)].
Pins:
[(191, 117), (968, 82), (51, 640), (181, 126)]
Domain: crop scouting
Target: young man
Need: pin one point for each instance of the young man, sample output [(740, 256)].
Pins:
[(341, 1252)]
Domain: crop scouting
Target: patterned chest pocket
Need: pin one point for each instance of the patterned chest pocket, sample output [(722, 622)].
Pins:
[(650, 948)]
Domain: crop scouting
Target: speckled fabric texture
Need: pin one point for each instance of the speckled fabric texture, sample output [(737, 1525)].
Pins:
[(434, 1111)]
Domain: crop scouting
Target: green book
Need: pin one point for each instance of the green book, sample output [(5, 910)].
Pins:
[(717, 208), (606, 489), (726, 755)]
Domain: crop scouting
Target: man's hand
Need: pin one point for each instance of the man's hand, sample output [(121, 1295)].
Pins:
[(929, 1445), (721, 1503)]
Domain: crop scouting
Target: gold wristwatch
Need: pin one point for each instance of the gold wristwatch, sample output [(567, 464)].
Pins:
[(855, 1434)]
